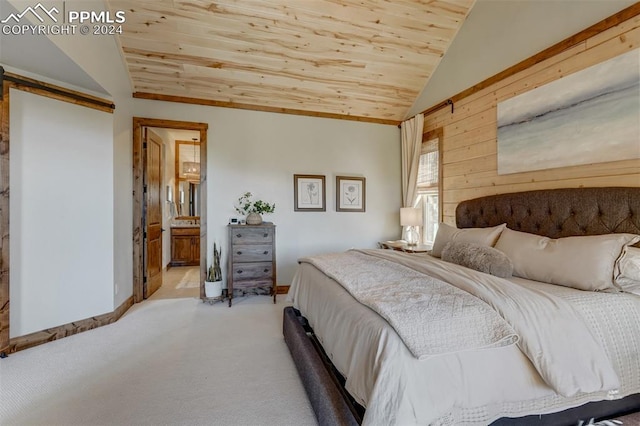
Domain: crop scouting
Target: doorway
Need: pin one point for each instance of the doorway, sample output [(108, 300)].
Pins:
[(146, 195)]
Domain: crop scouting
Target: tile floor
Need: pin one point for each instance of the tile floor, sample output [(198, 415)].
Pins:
[(170, 279)]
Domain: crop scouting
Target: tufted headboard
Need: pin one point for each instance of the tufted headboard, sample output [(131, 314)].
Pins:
[(557, 213)]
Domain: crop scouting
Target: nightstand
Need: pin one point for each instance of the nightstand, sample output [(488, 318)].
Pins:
[(401, 245)]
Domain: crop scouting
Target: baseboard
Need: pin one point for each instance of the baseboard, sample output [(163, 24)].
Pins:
[(39, 337), (282, 289)]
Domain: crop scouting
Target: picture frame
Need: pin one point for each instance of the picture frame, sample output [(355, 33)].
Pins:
[(588, 117), (309, 193), (351, 194)]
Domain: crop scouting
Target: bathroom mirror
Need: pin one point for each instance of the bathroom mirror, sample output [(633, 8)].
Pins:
[(187, 193), (188, 201)]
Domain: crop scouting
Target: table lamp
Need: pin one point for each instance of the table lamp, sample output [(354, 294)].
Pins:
[(411, 217)]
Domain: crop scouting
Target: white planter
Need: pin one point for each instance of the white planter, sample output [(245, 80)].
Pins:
[(213, 289)]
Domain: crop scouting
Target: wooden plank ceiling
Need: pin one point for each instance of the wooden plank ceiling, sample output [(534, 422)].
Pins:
[(357, 59)]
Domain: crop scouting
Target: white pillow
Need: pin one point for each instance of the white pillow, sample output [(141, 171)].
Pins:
[(628, 271), (584, 263), (482, 236)]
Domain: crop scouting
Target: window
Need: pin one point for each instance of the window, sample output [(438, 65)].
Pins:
[(428, 187)]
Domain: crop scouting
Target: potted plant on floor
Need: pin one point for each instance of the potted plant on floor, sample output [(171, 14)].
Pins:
[(213, 283), (253, 209)]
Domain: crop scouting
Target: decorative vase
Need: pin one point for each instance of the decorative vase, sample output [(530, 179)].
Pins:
[(212, 289), (254, 219)]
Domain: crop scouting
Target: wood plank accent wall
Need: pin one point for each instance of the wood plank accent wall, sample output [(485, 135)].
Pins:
[(469, 149)]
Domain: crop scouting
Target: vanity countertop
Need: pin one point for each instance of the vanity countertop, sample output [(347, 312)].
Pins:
[(185, 223)]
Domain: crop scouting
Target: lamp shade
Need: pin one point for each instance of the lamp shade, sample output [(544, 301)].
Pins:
[(191, 168), (410, 216)]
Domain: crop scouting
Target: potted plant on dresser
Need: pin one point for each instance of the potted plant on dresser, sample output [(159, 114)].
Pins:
[(213, 283), (253, 210)]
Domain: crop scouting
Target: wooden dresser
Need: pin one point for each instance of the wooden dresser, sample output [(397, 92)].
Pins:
[(252, 258), (185, 246)]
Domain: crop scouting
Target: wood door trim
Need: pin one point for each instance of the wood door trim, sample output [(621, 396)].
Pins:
[(4, 218), (138, 193)]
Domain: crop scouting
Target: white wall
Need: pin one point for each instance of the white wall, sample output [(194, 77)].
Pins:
[(259, 152), (498, 34), (61, 213), (253, 151)]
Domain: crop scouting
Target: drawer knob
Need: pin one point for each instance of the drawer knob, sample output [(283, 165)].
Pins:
[(265, 235), (266, 270), (238, 235), (239, 271), (239, 252), (266, 252)]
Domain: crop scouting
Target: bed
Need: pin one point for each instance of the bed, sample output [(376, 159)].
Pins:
[(579, 360)]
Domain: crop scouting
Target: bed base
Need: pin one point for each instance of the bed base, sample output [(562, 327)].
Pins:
[(333, 405), (553, 213), (324, 385)]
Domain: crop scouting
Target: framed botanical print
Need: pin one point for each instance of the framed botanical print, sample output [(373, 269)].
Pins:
[(350, 194), (309, 193)]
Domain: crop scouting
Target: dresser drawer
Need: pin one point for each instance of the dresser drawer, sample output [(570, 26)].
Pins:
[(245, 285), (252, 253), (248, 234), (252, 271)]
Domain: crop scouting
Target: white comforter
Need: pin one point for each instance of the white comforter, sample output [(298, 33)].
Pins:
[(471, 387), (431, 316)]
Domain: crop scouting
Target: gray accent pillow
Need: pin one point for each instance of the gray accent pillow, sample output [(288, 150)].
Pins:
[(481, 258)]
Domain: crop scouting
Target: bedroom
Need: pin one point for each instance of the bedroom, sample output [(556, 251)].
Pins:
[(295, 145)]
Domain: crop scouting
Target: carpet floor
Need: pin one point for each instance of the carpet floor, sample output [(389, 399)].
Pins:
[(165, 362)]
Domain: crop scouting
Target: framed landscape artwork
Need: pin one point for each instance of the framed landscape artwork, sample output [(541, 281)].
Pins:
[(350, 194), (591, 116), (309, 193)]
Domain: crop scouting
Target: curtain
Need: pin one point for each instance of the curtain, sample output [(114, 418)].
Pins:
[(411, 144)]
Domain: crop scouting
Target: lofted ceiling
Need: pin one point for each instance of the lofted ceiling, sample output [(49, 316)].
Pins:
[(361, 59)]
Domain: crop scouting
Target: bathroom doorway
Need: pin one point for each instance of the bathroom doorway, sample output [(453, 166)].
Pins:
[(149, 191)]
